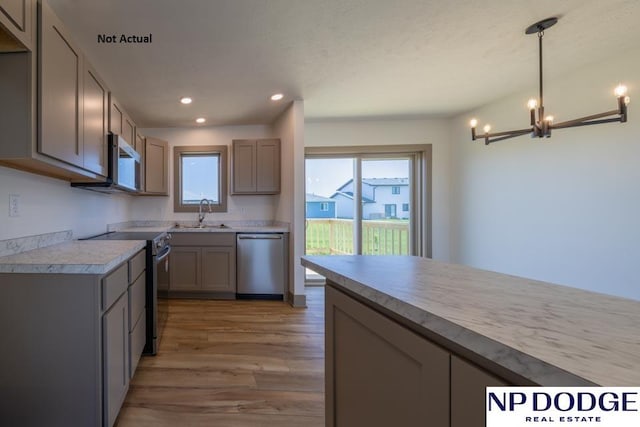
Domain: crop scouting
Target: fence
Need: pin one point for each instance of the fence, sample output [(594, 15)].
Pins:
[(335, 237)]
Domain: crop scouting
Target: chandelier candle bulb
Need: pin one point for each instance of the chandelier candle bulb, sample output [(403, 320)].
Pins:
[(487, 128), (620, 90), (473, 123), (532, 104)]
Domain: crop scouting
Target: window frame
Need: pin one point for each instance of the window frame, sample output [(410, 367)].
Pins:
[(394, 188), (324, 206), (219, 150), (420, 205)]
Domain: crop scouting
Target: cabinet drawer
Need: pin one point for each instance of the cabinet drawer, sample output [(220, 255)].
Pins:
[(203, 239), (137, 265), (136, 343), (114, 285), (136, 300)]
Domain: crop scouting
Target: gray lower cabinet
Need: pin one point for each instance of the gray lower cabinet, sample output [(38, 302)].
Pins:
[(137, 309), (203, 264), (381, 373), (185, 268), (218, 269), (115, 333), (468, 383), (66, 353)]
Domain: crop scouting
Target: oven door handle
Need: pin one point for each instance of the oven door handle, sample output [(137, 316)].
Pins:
[(163, 254)]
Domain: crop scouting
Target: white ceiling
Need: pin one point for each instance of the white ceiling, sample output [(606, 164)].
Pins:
[(344, 58)]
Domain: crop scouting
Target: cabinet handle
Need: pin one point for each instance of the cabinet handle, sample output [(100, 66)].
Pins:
[(262, 237)]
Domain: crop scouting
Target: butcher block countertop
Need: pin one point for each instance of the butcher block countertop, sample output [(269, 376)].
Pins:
[(548, 334)]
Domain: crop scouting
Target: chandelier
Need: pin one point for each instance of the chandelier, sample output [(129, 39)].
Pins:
[(542, 125)]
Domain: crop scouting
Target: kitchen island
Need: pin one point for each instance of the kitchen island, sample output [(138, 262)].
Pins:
[(448, 331)]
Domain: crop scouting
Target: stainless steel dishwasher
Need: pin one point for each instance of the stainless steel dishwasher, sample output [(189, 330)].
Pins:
[(261, 265)]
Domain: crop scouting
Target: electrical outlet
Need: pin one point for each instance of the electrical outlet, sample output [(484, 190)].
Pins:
[(14, 205)]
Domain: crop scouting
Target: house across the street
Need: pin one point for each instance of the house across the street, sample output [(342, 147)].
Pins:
[(319, 206), (382, 198)]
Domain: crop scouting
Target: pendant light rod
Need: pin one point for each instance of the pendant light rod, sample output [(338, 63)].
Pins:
[(540, 35), (542, 125)]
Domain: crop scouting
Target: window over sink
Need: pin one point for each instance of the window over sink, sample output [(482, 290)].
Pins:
[(200, 173)]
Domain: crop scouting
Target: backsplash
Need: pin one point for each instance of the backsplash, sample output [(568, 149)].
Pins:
[(23, 244)]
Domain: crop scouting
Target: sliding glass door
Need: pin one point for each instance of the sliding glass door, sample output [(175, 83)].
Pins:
[(386, 201), (366, 202)]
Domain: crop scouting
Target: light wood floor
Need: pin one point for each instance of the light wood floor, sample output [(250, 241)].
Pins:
[(233, 363)]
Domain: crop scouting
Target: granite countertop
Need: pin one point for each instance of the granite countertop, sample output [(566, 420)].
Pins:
[(232, 229), (552, 335), (212, 228), (73, 257)]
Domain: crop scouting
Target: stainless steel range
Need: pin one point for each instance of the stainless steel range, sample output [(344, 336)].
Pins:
[(157, 280)]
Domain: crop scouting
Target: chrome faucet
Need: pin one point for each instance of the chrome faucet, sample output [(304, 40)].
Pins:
[(202, 214)]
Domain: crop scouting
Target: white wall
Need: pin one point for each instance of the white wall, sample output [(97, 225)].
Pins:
[(238, 207), (389, 132), (289, 127), (565, 209), (48, 205)]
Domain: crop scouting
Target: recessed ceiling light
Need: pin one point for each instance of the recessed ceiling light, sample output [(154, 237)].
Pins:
[(201, 120), (186, 100), (277, 97)]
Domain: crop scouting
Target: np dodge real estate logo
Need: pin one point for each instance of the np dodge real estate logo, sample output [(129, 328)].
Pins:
[(555, 406)]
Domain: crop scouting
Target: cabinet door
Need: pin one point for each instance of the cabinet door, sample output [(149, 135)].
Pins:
[(115, 116), (17, 17), (95, 121), (157, 166), (140, 148), (378, 372), (268, 166), (468, 384), (115, 332), (184, 268), (218, 269), (60, 133), (244, 166), (129, 131)]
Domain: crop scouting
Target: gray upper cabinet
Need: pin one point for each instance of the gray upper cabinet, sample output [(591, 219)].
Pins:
[(116, 115), (120, 123), (60, 133), (156, 172), (140, 148), (42, 116), (17, 18), (129, 131), (95, 121), (256, 167)]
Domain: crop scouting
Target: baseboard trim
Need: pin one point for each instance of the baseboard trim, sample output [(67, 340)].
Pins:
[(297, 301)]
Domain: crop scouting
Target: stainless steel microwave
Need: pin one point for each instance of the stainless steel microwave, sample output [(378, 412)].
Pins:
[(123, 169)]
